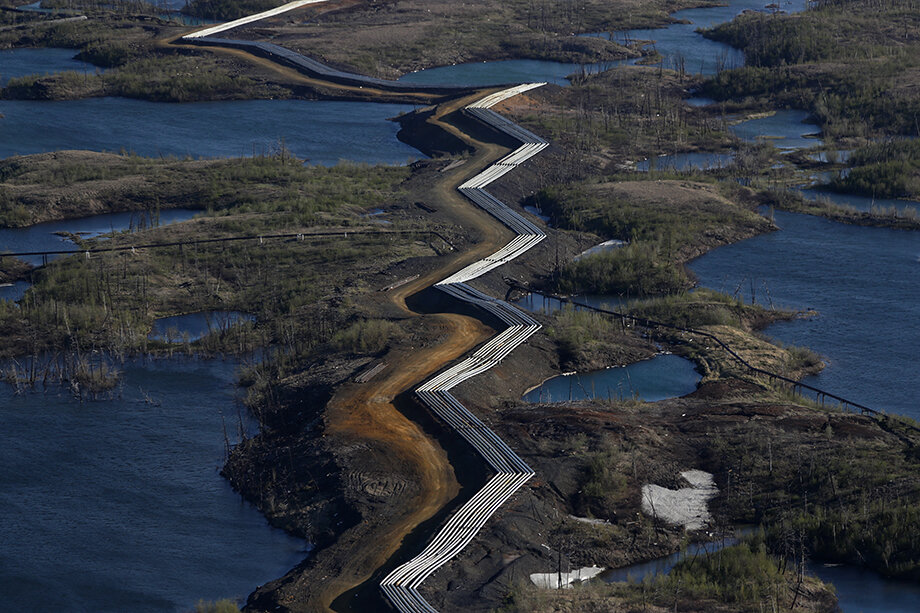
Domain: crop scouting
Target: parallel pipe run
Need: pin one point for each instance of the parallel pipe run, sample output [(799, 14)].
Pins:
[(401, 585)]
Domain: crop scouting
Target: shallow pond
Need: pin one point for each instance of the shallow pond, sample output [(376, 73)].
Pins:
[(193, 326), (865, 284), (21, 62), (687, 161), (664, 376), (786, 129), (117, 505), (322, 132)]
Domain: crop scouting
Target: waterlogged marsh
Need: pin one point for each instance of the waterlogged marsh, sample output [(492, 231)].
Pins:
[(193, 326), (47, 237), (507, 72)]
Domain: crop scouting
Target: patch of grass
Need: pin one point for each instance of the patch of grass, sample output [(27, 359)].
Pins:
[(637, 269), (369, 336)]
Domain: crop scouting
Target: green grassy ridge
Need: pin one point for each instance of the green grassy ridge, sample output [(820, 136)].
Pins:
[(885, 170)]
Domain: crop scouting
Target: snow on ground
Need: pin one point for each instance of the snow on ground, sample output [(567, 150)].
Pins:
[(564, 581), (687, 506)]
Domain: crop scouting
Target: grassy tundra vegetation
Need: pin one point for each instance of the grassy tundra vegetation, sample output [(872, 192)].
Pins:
[(665, 223), (108, 302)]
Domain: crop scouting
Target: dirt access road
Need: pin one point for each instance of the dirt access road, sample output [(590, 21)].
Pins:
[(366, 413)]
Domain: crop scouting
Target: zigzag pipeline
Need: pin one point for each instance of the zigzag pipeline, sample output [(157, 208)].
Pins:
[(401, 585)]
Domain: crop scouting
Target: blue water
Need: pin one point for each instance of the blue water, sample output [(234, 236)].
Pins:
[(863, 591), (21, 62), (687, 161), (681, 45), (117, 505), (42, 237), (193, 326), (786, 129), (321, 132), (664, 376), (865, 284), (538, 303), (862, 203)]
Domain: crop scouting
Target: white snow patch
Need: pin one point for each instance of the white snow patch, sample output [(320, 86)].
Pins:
[(590, 520), (564, 581), (686, 506), (605, 246)]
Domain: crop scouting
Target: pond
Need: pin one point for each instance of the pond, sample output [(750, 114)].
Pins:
[(697, 160), (681, 46), (193, 326), (664, 376), (786, 129), (117, 505)]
